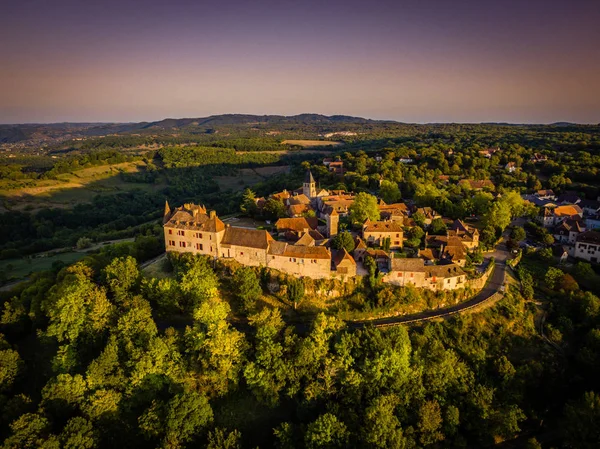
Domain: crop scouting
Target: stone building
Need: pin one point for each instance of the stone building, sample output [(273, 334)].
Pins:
[(375, 232), (404, 272)]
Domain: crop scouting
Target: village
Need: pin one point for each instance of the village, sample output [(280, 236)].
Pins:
[(301, 244)]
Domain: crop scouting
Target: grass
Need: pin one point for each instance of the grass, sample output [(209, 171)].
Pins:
[(20, 268), (74, 188), (312, 143), (248, 177), (158, 269)]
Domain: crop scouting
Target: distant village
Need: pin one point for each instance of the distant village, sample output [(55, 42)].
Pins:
[(301, 243)]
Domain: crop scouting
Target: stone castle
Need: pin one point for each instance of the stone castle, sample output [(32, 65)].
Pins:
[(301, 246)]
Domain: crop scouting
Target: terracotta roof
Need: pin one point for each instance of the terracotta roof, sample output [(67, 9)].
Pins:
[(458, 225), (306, 240), (359, 244), (382, 226), (428, 254), (298, 224), (567, 210), (251, 238), (316, 234), (547, 192), (377, 253), (277, 248), (445, 271), (298, 209), (404, 264), (342, 255), (281, 195), (306, 252), (299, 199)]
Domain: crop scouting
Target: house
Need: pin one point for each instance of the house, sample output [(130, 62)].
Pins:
[(592, 222), (405, 272), (343, 263), (336, 167), (568, 198), (547, 194), (247, 246), (511, 167), (551, 216), (428, 213), (568, 230), (375, 233), (538, 157), (587, 246), (489, 152), (449, 249), (468, 235), (311, 261), (589, 207), (294, 228), (394, 212)]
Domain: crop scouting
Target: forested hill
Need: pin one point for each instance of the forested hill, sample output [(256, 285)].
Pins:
[(16, 133)]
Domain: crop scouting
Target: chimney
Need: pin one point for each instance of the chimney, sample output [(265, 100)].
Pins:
[(305, 231), (212, 214)]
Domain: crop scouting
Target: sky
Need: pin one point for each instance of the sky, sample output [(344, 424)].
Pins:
[(418, 61)]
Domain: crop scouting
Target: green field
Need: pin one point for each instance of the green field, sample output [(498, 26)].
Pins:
[(21, 268)]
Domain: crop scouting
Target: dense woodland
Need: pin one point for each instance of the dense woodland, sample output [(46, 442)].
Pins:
[(101, 354)]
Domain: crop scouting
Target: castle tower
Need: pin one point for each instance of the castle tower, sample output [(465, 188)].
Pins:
[(309, 188), (167, 213), (332, 220)]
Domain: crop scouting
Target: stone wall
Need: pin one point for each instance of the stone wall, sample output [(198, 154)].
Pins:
[(478, 283)]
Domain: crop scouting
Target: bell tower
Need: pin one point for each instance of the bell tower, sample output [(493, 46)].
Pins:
[(309, 188)]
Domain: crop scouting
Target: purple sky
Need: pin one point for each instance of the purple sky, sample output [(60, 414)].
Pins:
[(415, 61)]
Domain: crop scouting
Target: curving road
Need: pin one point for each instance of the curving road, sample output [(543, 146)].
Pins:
[(492, 287)]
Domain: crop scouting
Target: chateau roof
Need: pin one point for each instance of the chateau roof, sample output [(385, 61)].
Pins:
[(418, 266), (277, 248), (251, 238), (194, 217), (567, 210)]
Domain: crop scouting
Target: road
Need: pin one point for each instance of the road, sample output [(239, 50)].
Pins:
[(500, 255)]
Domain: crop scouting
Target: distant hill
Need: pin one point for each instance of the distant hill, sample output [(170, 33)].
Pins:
[(17, 133)]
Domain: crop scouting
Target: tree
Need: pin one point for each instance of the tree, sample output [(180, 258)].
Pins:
[(10, 366), (122, 275), (78, 433), (343, 240), (518, 234), (419, 219), (199, 282), (84, 243), (389, 191), (248, 206), (553, 277), (582, 421), (247, 287), (438, 227), (430, 421), (364, 207), (381, 428), (221, 439), (326, 432), (274, 209), (295, 291), (499, 215)]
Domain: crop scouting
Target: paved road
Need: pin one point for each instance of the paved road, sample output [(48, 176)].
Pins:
[(501, 254)]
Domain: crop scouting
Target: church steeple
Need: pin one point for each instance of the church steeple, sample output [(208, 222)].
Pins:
[(309, 188)]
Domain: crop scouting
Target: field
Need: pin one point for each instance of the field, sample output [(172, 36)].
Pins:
[(74, 188), (20, 268), (312, 143)]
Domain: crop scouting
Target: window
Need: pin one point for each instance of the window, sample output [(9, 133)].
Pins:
[(199, 247), (241, 253), (397, 235), (412, 275), (182, 244), (170, 231), (182, 233), (172, 242), (400, 274)]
